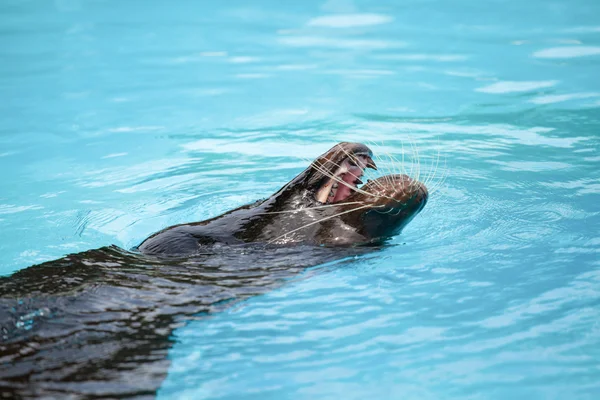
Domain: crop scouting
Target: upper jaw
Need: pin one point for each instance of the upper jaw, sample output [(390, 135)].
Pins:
[(365, 159)]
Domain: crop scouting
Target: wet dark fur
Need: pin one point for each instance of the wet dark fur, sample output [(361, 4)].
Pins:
[(99, 323)]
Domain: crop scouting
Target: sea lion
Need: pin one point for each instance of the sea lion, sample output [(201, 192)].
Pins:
[(99, 323), (323, 205)]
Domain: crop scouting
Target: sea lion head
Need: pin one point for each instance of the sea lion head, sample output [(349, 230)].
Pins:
[(375, 210)]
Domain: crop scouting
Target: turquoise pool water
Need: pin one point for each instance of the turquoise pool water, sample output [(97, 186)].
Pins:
[(121, 118)]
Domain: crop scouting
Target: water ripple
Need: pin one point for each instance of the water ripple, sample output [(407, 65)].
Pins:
[(120, 120)]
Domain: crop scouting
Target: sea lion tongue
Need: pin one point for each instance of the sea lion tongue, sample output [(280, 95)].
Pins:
[(354, 173)]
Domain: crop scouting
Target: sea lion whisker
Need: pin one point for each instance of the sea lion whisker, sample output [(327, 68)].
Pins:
[(312, 208), (391, 167), (402, 164), (311, 162), (418, 159), (380, 161), (397, 213), (323, 170), (432, 168), (385, 212), (415, 155), (396, 162), (319, 221), (445, 174), (429, 172), (355, 160), (433, 187), (386, 166), (438, 185), (335, 178), (412, 158), (364, 170), (435, 169)]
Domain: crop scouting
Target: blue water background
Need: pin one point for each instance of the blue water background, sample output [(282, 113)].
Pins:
[(120, 118)]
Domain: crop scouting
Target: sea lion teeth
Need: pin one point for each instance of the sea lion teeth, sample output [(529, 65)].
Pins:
[(370, 163), (332, 192)]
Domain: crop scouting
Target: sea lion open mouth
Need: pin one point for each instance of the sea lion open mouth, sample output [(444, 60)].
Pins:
[(346, 178)]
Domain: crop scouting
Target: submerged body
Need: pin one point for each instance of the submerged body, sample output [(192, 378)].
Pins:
[(99, 323)]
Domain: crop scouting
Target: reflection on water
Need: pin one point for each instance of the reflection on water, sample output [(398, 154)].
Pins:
[(122, 118)]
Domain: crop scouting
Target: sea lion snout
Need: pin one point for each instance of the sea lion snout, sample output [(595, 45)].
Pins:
[(411, 188), (396, 190)]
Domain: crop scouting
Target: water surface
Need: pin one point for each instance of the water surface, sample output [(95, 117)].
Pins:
[(121, 118)]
